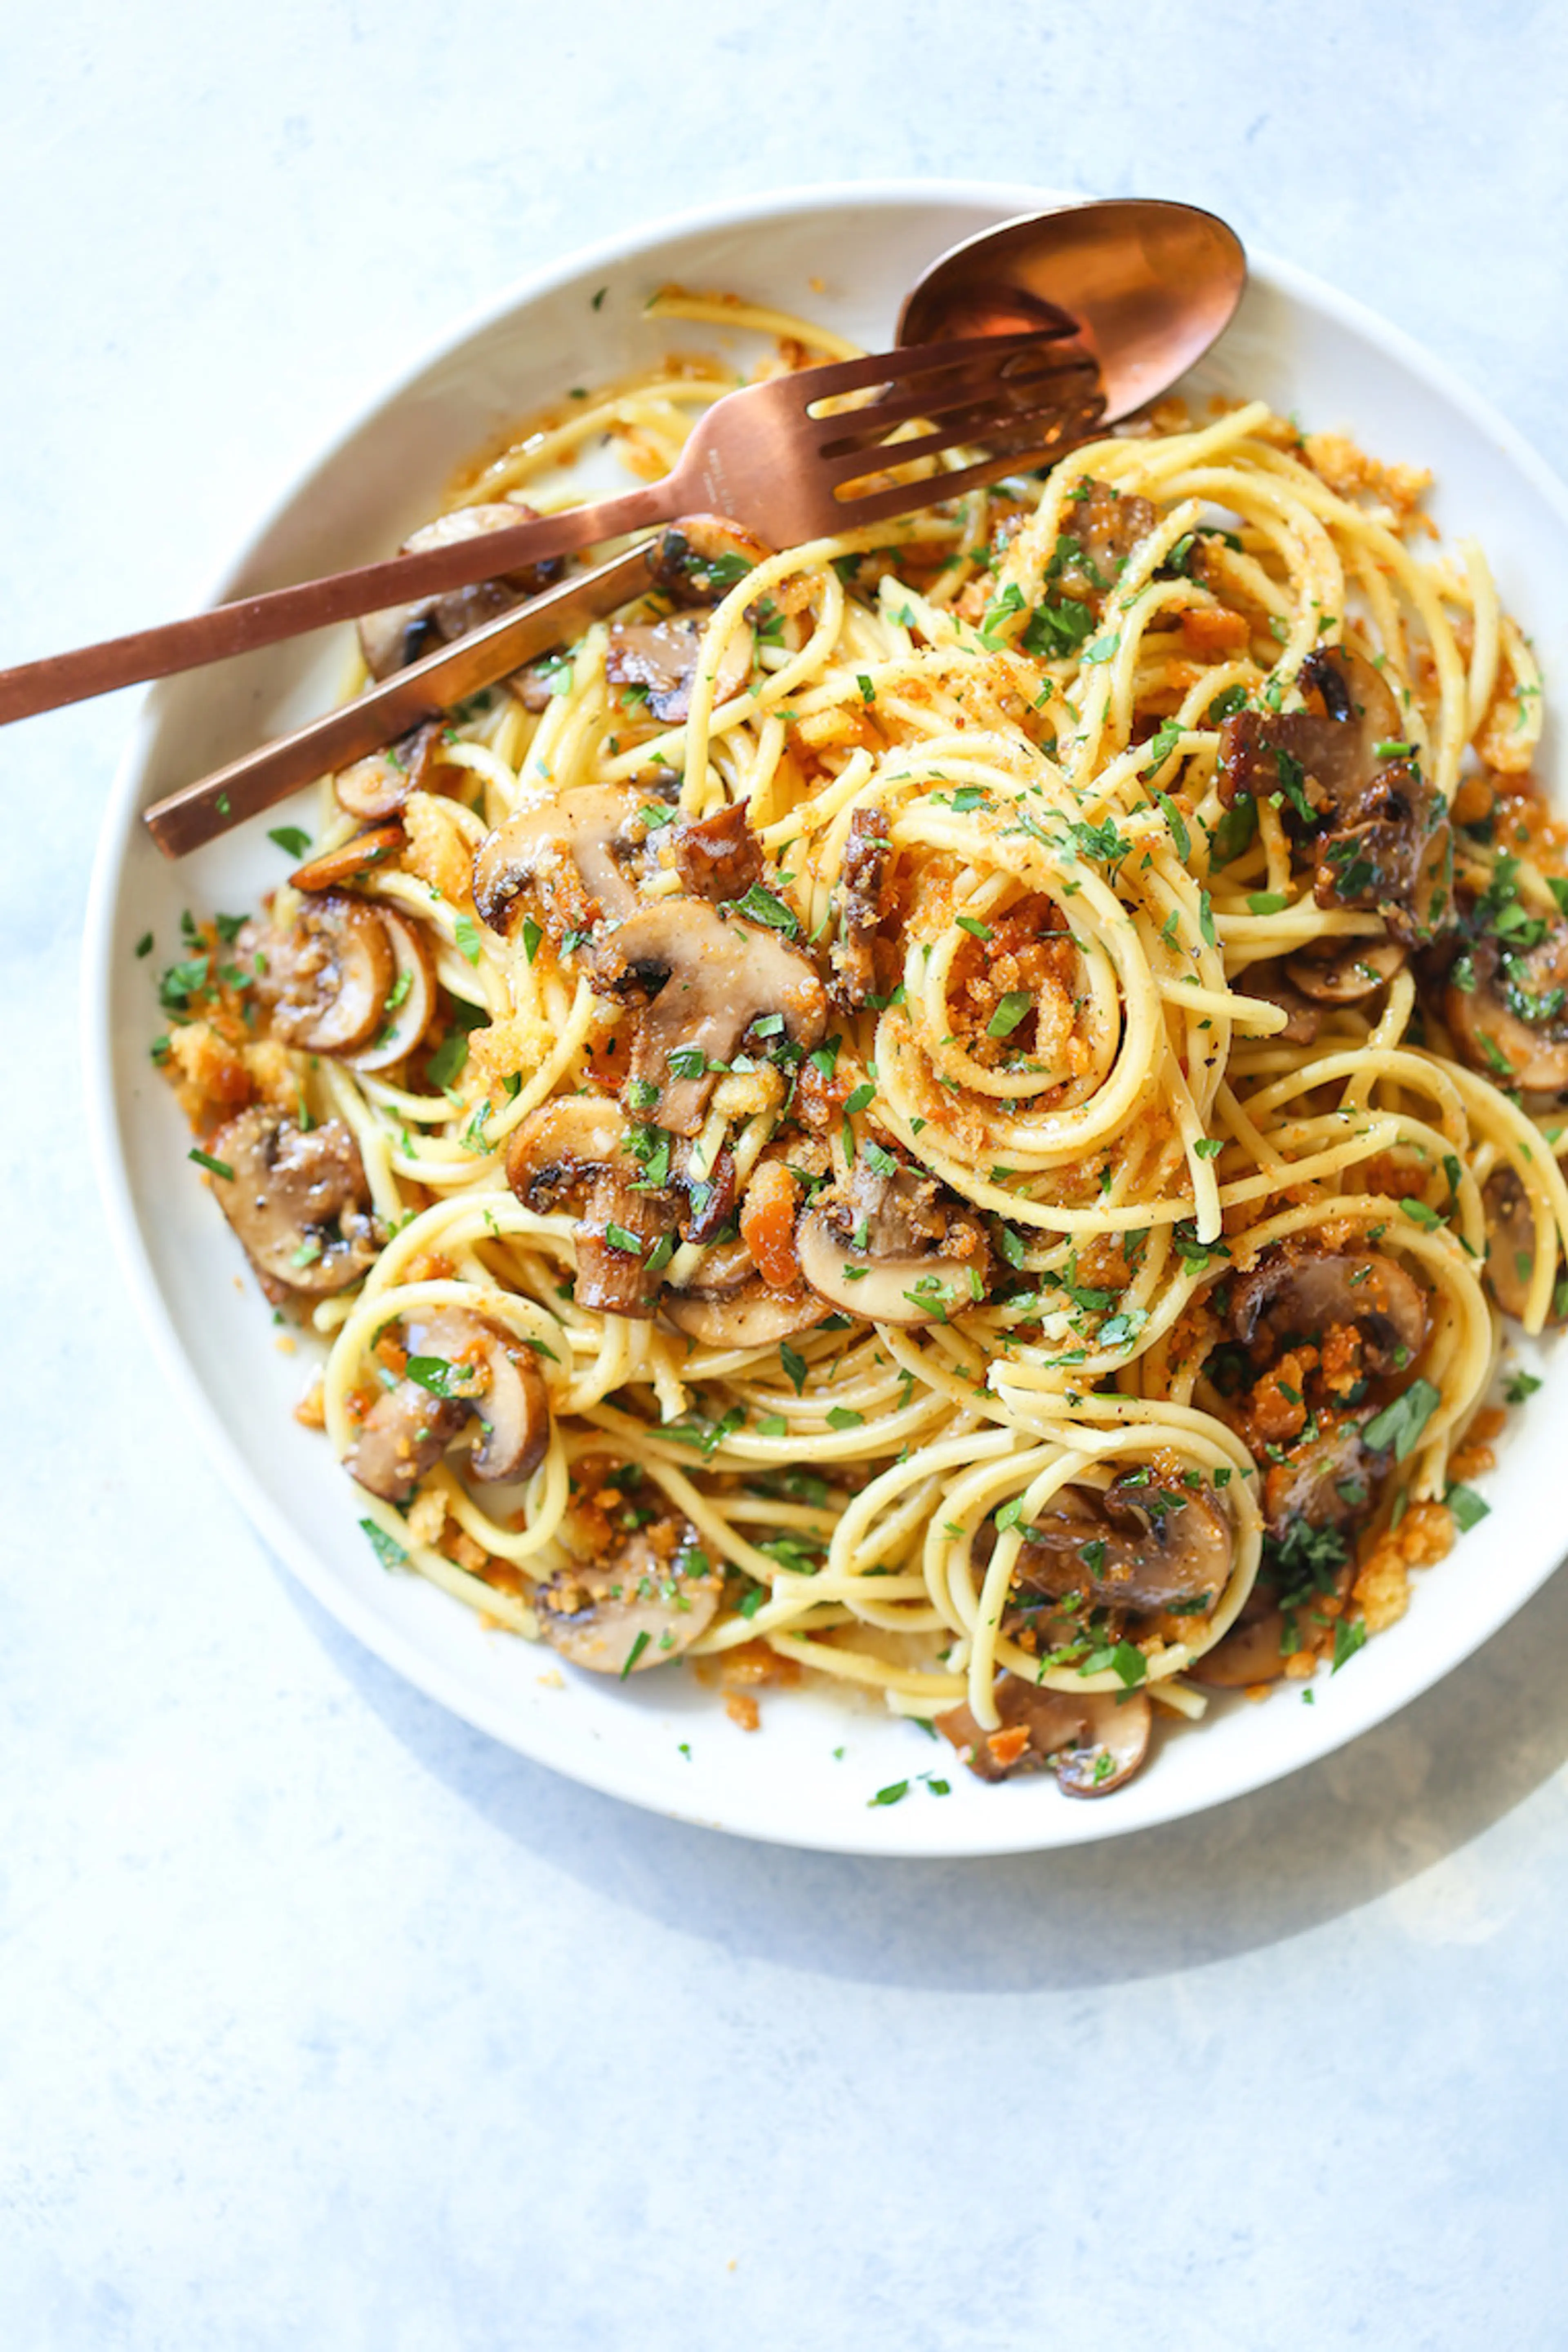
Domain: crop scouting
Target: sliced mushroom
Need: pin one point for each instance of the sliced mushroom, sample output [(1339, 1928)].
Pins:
[(329, 974), (401, 634), (351, 976), (574, 850), (1380, 829), (350, 861), (717, 856), (378, 785), (1334, 745), (1253, 1650), (1510, 1017), (1510, 1242), (1396, 860), (472, 1368), (853, 956), (894, 1249), (298, 1200), (1107, 525), (704, 981), (1345, 972), (1094, 1742), (1268, 981), (578, 1151), (1329, 1480), (635, 1607), (1143, 1545), (663, 657), (1298, 1292), (700, 558), (749, 1316), (409, 1006)]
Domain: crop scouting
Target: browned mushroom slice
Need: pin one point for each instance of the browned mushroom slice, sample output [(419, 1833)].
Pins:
[(409, 1006), (1105, 526), (894, 1249), (700, 558), (576, 850), (460, 1367), (1326, 1481), (1094, 1741), (1335, 746), (704, 981), (401, 634), (634, 1608), (1345, 972), (1295, 1292), (661, 656), (1509, 1010), (867, 851), (1143, 1545), (298, 1202), (1511, 1242), (1396, 860), (577, 1153), (749, 1316), (1254, 1651), (1268, 981), (350, 861), (330, 975), (717, 856), (378, 786)]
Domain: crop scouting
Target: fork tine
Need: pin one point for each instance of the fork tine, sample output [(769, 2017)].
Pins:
[(1069, 432), (1016, 428), (977, 389), (922, 359)]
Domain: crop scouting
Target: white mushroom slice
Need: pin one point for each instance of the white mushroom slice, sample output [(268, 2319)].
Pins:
[(1299, 1292), (631, 1610), (701, 557), (391, 640), (663, 656), (298, 1200), (1143, 1545), (1345, 972), (1110, 1748), (713, 977), (378, 786), (577, 1153), (410, 1002), (751, 1316), (471, 1370), (1094, 1741), (330, 975), (892, 1250), (587, 831), (1511, 1021)]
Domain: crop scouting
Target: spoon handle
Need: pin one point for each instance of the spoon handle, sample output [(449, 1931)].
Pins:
[(199, 812)]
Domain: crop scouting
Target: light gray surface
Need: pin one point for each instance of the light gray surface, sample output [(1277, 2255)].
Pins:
[(322, 2021)]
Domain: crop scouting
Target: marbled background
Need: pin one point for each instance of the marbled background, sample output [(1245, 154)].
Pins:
[(325, 2020)]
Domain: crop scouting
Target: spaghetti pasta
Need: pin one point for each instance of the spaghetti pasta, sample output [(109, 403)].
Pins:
[(930, 1106)]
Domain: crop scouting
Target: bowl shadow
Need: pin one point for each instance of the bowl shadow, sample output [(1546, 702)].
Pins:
[(1254, 1872)]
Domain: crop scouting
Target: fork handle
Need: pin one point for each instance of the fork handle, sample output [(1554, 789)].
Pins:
[(199, 812), (254, 621)]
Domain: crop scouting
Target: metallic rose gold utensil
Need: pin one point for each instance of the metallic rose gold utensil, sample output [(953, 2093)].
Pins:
[(1148, 284), (764, 456), (198, 813)]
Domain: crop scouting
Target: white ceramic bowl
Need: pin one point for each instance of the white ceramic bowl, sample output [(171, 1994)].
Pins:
[(807, 1779)]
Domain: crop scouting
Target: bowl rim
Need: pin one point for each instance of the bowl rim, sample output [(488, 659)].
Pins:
[(601, 1770)]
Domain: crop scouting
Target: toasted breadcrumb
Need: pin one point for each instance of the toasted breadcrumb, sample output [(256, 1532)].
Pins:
[(1352, 474), (1381, 1588), (435, 849)]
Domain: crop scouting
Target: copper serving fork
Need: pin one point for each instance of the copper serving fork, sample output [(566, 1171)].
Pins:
[(764, 455)]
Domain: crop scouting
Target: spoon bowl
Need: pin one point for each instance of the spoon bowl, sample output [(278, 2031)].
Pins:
[(1148, 285)]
